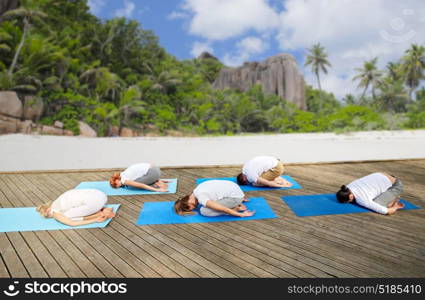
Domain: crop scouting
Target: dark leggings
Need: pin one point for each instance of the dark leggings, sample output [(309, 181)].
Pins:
[(391, 194), (152, 176)]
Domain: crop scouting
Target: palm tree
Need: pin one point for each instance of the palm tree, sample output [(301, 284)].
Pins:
[(164, 81), (413, 65), (369, 76), (29, 12), (394, 71), (318, 59), (130, 103), (393, 95), (102, 81)]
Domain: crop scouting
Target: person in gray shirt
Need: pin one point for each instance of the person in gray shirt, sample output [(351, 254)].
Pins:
[(216, 197)]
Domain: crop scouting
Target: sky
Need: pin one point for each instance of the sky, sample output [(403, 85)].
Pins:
[(235, 31)]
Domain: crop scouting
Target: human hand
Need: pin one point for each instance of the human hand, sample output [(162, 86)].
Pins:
[(108, 212), (247, 213), (241, 207), (101, 218)]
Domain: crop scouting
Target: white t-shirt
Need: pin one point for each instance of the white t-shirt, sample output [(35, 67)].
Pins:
[(134, 171), (367, 188), (77, 198), (253, 168), (216, 190)]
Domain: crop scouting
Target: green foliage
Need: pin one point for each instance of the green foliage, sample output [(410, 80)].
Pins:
[(354, 118), (321, 102), (114, 73), (416, 114)]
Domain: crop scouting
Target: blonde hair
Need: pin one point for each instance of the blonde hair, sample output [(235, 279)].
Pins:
[(42, 209), (181, 206)]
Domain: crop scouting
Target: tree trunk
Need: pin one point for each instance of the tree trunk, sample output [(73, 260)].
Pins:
[(21, 44), (364, 91), (411, 94), (320, 89)]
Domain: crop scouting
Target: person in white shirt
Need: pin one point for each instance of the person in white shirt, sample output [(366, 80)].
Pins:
[(379, 192), (78, 207), (142, 176), (263, 171), (217, 197)]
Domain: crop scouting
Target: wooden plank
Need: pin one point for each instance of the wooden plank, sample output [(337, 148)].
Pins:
[(119, 250), (11, 258), (361, 245), (158, 247), (4, 273)]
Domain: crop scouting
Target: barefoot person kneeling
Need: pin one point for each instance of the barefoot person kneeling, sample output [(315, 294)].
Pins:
[(378, 192), (78, 207), (217, 197), (263, 171), (141, 176)]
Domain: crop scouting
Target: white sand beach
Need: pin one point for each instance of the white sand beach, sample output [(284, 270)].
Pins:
[(20, 152)]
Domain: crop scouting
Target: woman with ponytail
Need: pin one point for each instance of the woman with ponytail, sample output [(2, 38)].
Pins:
[(141, 176), (216, 197), (378, 192)]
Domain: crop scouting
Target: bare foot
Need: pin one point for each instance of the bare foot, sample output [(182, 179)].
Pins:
[(108, 212), (399, 205), (283, 182), (161, 185), (241, 207)]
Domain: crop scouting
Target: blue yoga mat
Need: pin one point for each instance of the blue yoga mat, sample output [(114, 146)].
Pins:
[(248, 188), (28, 219), (105, 187), (154, 213), (326, 204)]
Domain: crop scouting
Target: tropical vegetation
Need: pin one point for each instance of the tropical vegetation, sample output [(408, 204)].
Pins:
[(113, 73)]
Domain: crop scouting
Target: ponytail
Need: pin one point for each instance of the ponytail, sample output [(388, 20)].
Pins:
[(343, 195), (181, 206)]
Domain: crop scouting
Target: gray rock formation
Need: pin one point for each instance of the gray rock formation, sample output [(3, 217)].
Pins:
[(33, 108), (58, 124), (50, 130), (277, 75), (8, 125), (86, 130), (205, 55), (10, 105)]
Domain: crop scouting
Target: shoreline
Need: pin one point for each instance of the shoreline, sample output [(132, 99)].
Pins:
[(19, 152)]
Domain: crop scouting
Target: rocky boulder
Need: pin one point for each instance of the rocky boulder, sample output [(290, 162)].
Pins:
[(10, 105), (126, 132), (114, 131), (8, 125), (86, 130), (33, 108), (58, 124), (51, 130), (26, 127), (277, 75), (205, 55)]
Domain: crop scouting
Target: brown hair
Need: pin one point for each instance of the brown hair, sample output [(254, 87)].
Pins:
[(42, 209), (181, 206), (343, 195), (113, 179), (241, 179)]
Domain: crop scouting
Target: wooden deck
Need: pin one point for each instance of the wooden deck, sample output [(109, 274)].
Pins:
[(354, 245)]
